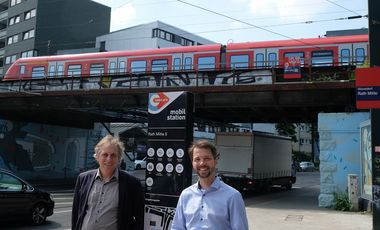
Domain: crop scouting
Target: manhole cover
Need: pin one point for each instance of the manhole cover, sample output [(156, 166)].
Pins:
[(294, 218)]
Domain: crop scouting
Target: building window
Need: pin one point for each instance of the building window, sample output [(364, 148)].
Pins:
[(10, 59), (30, 14), (14, 20), (12, 39), (29, 53), (28, 34), (15, 2)]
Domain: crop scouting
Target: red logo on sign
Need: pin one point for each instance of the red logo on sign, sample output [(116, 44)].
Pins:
[(161, 100)]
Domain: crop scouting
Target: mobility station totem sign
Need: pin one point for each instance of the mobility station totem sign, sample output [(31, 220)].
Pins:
[(168, 169)]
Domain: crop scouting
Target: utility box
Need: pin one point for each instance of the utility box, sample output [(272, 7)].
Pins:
[(353, 191)]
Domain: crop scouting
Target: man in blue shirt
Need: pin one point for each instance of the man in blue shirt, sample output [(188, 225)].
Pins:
[(209, 203)]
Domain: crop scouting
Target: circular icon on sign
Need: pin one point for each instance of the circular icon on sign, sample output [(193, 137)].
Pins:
[(179, 168), (150, 167), (160, 152), (169, 152), (179, 153), (151, 152), (169, 168), (159, 167), (149, 181)]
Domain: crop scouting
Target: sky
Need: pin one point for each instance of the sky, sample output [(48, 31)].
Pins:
[(225, 21)]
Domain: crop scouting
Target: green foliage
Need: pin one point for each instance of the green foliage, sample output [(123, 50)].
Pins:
[(299, 156), (287, 129), (341, 202)]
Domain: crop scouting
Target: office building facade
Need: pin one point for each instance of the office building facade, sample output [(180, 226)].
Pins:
[(41, 27)]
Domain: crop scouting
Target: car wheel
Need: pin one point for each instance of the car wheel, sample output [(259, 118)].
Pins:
[(38, 214), (138, 166)]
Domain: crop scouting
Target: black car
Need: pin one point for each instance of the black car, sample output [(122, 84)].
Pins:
[(20, 200)]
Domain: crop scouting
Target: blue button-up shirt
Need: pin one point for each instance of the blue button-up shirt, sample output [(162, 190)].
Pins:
[(219, 207)]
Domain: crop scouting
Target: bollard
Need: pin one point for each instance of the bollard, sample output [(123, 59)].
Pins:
[(353, 191)]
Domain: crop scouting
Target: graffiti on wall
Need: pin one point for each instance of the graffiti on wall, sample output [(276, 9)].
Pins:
[(156, 80)]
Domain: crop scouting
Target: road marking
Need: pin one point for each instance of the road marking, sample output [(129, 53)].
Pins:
[(57, 212)]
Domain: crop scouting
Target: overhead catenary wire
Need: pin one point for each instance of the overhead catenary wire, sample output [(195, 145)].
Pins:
[(334, 3), (250, 24)]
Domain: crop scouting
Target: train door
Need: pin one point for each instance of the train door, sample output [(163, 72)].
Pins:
[(188, 61), (122, 65), (52, 69), (177, 64), (360, 56), (60, 68), (259, 59), (113, 66), (345, 54), (272, 57)]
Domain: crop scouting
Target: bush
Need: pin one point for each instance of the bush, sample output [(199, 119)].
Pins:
[(341, 202)]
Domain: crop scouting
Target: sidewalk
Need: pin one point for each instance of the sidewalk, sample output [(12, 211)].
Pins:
[(301, 212)]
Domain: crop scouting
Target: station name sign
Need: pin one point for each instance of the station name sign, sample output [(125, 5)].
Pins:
[(368, 88)]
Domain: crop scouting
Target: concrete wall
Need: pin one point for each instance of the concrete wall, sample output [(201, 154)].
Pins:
[(339, 135)]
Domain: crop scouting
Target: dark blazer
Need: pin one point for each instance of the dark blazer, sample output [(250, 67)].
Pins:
[(131, 201)]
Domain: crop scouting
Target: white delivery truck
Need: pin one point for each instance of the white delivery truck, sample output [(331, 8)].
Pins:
[(255, 161)]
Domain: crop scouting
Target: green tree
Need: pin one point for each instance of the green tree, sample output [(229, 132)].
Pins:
[(287, 129)]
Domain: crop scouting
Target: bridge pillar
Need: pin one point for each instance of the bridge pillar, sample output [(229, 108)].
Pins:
[(374, 47)]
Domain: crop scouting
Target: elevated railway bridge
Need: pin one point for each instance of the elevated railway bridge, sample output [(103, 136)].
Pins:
[(243, 96)]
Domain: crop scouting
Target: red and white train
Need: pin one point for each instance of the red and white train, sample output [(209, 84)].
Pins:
[(330, 51)]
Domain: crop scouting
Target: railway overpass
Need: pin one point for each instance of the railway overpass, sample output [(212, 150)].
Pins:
[(242, 96)]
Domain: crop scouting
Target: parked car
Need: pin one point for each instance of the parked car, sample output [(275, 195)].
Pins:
[(140, 164), (20, 200), (307, 166)]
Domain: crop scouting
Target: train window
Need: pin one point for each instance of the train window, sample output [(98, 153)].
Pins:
[(74, 70), (259, 60), (345, 56), (97, 69), (51, 71), (206, 63), (239, 61), (122, 67), (22, 69), (322, 58), (38, 72), (272, 58), (177, 64), (159, 65), (188, 63), (60, 70), (112, 67), (138, 66), (301, 55), (360, 56)]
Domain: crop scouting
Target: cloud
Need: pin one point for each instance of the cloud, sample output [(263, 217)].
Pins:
[(121, 16)]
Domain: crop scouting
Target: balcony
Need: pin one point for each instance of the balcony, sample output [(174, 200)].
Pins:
[(4, 15)]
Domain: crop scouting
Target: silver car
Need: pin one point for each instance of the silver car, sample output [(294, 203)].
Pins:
[(307, 166)]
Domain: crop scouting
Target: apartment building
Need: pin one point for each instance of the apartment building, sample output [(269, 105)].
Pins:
[(41, 27)]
